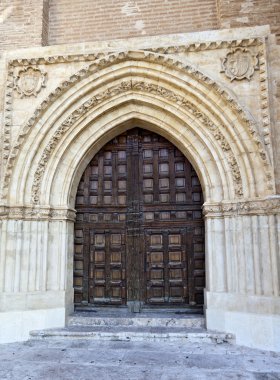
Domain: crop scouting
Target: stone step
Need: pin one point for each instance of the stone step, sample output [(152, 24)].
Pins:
[(107, 318), (134, 333)]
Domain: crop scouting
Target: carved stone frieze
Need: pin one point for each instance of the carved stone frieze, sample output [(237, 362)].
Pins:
[(142, 87), (36, 213), (266, 206), (29, 81), (149, 56), (239, 63)]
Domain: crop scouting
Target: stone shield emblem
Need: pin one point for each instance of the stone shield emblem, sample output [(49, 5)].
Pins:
[(239, 64), (29, 81)]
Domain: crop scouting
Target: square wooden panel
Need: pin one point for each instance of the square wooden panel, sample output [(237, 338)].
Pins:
[(174, 239), (156, 240), (116, 257), (99, 274), (156, 274), (122, 169), (94, 170), (99, 240), (79, 249), (80, 200), (107, 185), (107, 217), (99, 257), (175, 274), (93, 217), (122, 200), (79, 265), (93, 199), (179, 166), (116, 292), (181, 215), (93, 185), (107, 199), (199, 264), (199, 231), (156, 292), (180, 197), (121, 154), (122, 217), (165, 215), (122, 185), (148, 184), (147, 153), (195, 181), (197, 214), (116, 239), (78, 281), (175, 256), (196, 197), (156, 257), (149, 216), (180, 182), (148, 168), (148, 198), (198, 247), (116, 274), (199, 281), (164, 183), (164, 198), (107, 169), (164, 168), (163, 153), (79, 233), (147, 138), (122, 139), (107, 155), (99, 292), (176, 291)]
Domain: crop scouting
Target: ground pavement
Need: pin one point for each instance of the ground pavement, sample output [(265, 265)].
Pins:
[(80, 359)]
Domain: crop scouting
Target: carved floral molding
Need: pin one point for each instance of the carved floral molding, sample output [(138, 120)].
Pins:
[(266, 206), (36, 213)]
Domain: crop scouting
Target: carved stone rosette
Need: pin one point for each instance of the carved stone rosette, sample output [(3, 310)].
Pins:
[(239, 63), (30, 81)]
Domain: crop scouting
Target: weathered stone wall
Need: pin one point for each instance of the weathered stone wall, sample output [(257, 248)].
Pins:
[(23, 23)]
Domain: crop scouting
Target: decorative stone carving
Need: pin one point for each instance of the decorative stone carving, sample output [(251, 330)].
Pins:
[(36, 213), (143, 87), (29, 81), (266, 206), (109, 60), (239, 63)]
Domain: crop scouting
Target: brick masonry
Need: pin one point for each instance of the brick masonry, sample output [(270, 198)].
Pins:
[(26, 23)]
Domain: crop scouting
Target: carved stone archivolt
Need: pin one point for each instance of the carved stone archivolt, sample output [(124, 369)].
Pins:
[(140, 86), (240, 63), (244, 117), (30, 81)]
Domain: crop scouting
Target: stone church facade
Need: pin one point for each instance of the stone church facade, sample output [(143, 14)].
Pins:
[(208, 86)]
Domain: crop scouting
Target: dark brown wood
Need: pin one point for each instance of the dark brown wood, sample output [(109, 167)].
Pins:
[(139, 234)]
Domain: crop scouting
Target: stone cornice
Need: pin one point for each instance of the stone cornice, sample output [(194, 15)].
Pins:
[(265, 206), (36, 213)]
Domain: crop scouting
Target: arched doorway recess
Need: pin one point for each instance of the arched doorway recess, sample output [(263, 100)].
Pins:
[(139, 232)]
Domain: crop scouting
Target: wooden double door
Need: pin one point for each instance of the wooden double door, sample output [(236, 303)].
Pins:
[(139, 232)]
